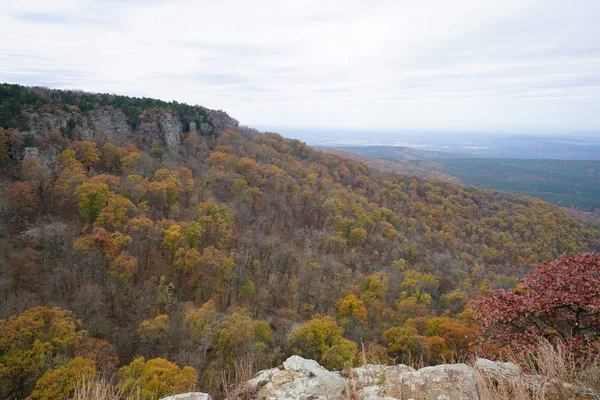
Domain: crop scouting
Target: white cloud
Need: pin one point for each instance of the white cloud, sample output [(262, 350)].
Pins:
[(516, 65)]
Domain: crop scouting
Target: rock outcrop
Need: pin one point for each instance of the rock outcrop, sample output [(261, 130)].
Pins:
[(109, 124), (302, 379), (113, 125), (189, 396), (163, 127), (299, 378), (44, 123), (448, 381), (170, 128), (222, 120)]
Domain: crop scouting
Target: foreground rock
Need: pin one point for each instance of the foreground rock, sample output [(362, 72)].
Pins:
[(189, 396), (448, 381), (299, 378), (302, 379)]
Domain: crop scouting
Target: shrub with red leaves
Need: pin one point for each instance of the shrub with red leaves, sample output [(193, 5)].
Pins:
[(559, 301)]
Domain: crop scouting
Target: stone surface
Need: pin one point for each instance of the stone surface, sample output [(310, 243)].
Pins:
[(106, 123), (373, 393), (262, 378), (222, 120), (499, 369), (300, 379), (372, 374), (447, 381), (299, 364), (109, 124), (170, 128), (189, 396), (113, 125), (43, 123), (31, 152)]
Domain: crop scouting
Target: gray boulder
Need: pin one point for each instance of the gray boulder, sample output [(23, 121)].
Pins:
[(189, 396), (299, 379), (373, 374), (447, 382), (497, 369)]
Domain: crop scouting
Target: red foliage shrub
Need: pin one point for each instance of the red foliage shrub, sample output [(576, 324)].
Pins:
[(559, 301)]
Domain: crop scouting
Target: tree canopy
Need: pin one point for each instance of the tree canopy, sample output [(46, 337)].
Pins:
[(559, 301)]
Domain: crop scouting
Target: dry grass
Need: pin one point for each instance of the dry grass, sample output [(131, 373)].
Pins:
[(98, 389), (353, 389), (549, 372), (234, 382)]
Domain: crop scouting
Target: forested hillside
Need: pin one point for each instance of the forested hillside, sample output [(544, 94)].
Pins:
[(166, 231), (574, 184)]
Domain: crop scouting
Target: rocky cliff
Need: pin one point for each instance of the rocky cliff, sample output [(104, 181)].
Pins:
[(112, 124), (222, 120), (107, 123)]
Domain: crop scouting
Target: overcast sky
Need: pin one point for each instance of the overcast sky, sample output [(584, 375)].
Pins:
[(467, 65)]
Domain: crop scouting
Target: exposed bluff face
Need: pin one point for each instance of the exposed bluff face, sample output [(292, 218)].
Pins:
[(222, 120), (100, 122), (111, 124)]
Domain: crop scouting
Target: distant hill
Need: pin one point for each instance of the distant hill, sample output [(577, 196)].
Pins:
[(568, 183), (573, 146)]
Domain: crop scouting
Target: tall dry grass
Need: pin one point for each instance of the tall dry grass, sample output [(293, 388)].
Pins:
[(96, 389), (234, 382), (100, 388), (549, 372)]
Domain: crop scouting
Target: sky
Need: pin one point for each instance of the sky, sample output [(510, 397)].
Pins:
[(527, 66)]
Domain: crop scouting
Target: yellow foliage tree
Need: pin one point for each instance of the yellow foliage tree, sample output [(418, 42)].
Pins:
[(31, 342), (237, 334), (352, 307), (92, 198), (122, 268), (88, 153), (59, 383), (156, 378), (321, 339), (117, 212), (153, 329), (199, 321)]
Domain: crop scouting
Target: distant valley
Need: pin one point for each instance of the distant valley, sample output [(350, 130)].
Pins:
[(429, 145), (568, 183)]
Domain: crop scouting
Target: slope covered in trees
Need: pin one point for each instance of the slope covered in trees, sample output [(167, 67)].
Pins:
[(203, 248), (569, 183)]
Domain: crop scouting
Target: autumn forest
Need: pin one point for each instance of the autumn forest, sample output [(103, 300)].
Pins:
[(139, 236)]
